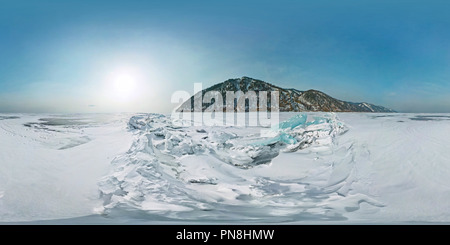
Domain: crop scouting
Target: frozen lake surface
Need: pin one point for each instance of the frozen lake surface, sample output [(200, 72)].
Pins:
[(316, 168)]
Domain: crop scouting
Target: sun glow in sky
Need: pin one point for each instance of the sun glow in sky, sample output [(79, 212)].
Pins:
[(124, 84), (113, 56)]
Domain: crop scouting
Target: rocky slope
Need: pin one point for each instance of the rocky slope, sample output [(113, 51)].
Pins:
[(292, 100)]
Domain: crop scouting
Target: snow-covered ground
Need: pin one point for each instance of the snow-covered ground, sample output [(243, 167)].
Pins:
[(50, 164), (141, 168)]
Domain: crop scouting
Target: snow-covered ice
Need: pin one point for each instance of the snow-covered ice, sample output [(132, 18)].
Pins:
[(141, 168), (50, 164)]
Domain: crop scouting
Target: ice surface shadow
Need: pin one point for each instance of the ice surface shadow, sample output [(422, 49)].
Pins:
[(430, 118), (74, 142), (8, 117), (57, 128), (39, 126), (58, 122), (47, 123), (62, 122), (383, 116), (258, 156)]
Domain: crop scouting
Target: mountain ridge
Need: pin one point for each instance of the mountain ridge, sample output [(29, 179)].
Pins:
[(290, 100)]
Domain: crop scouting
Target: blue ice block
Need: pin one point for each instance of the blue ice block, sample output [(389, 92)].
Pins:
[(292, 122)]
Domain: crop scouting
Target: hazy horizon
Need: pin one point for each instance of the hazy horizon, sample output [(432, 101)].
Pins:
[(114, 56)]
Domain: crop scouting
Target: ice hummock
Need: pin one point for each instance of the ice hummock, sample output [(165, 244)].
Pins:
[(189, 169), (292, 122), (297, 131)]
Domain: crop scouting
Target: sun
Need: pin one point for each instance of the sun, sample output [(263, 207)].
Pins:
[(124, 85)]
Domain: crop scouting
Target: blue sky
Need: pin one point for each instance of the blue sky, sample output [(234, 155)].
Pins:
[(65, 56)]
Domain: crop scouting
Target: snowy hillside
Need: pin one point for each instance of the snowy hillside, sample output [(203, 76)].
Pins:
[(290, 100)]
